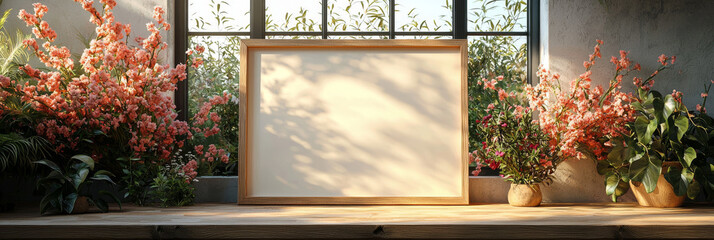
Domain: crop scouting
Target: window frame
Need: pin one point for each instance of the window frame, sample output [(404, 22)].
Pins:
[(257, 31)]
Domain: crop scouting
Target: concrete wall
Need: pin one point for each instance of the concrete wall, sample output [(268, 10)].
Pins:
[(645, 28), (72, 24)]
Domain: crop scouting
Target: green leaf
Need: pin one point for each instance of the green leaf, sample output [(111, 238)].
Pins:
[(102, 177), (619, 153), (645, 128), (675, 178), (682, 124), (54, 175), (693, 190), (669, 106), (104, 172), (641, 93), (637, 106), (79, 178), (68, 203), (647, 170), (112, 196), (50, 196), (611, 182), (603, 167), (50, 164), (85, 159), (689, 156), (658, 105)]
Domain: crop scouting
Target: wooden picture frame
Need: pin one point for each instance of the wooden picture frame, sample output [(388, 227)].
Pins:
[(293, 123)]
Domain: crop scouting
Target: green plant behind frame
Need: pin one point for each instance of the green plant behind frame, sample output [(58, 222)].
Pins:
[(12, 52), (63, 186)]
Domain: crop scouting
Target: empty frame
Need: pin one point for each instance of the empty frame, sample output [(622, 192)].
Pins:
[(353, 122)]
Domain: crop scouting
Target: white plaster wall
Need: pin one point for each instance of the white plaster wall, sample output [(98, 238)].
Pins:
[(646, 28), (70, 21)]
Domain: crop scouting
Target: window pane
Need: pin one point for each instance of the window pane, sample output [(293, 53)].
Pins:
[(219, 73), (291, 15), (358, 15), (423, 15), (218, 15), (497, 15), (490, 57)]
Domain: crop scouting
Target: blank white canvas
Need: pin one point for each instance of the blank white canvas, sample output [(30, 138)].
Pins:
[(355, 123)]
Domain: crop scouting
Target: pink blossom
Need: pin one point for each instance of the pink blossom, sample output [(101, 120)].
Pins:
[(700, 108), (502, 95)]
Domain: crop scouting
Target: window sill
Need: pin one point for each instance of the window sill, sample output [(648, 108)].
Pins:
[(494, 221)]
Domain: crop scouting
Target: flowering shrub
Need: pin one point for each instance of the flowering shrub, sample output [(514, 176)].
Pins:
[(513, 141), (172, 186), (665, 138), (581, 121), (114, 96)]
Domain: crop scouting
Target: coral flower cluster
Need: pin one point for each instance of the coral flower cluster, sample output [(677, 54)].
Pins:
[(580, 122), (117, 88)]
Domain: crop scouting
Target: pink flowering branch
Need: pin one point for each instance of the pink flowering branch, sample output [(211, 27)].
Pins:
[(581, 122), (120, 89)]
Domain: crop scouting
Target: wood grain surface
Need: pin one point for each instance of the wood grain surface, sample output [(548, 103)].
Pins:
[(496, 221)]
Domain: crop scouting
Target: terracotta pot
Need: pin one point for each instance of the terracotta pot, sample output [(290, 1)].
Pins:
[(81, 205), (663, 195), (523, 195)]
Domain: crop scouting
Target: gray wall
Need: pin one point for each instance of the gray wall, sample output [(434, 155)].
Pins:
[(70, 21), (645, 28)]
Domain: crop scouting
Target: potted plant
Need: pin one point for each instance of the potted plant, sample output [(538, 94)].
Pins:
[(668, 154), (67, 190), (515, 145)]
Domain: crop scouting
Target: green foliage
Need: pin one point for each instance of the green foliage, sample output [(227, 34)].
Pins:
[(63, 186), (515, 145), (665, 134), (359, 15), (12, 52), (493, 56), (19, 146), (513, 18), (18, 152), (138, 177), (172, 185), (172, 190)]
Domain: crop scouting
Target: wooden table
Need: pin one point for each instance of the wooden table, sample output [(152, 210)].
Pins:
[(495, 221)]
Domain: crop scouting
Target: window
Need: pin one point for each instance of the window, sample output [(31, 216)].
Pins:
[(502, 36)]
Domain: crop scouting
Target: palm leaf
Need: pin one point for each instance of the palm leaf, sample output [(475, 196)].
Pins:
[(19, 152)]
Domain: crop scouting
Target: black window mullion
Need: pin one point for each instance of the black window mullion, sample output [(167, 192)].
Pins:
[(460, 19), (497, 33), (219, 33), (324, 19), (180, 46), (392, 24), (257, 19), (533, 8)]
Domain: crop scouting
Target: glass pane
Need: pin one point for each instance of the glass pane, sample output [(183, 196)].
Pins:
[(490, 57), (218, 74), (497, 15), (358, 37), (358, 15), (291, 15), (422, 37), (218, 15), (423, 15)]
